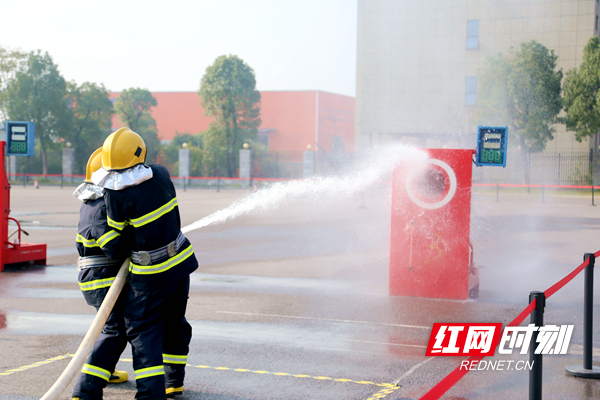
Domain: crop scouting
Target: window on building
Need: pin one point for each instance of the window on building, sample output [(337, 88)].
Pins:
[(473, 34), (470, 90)]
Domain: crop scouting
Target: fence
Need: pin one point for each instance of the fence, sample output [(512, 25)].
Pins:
[(52, 179), (203, 182), (277, 164), (550, 168)]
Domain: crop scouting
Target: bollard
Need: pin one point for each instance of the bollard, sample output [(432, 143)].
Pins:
[(537, 319), (184, 183), (219, 183), (61, 180), (593, 194), (588, 370), (497, 193)]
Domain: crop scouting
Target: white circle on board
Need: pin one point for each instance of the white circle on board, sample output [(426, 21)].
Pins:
[(442, 202)]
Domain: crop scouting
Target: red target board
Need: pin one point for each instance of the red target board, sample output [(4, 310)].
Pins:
[(430, 250)]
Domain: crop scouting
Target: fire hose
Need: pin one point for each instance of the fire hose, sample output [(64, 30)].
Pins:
[(92, 334)]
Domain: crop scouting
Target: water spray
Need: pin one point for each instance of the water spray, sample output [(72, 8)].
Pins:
[(373, 168)]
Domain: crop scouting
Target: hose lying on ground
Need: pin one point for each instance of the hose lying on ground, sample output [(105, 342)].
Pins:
[(87, 344)]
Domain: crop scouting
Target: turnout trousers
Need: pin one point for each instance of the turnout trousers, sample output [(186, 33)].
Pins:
[(104, 356), (160, 336)]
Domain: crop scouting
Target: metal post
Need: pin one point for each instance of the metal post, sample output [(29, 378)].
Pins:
[(25, 172), (543, 198), (558, 168), (588, 370), (61, 180), (588, 310), (592, 172), (219, 183), (537, 319), (184, 183)]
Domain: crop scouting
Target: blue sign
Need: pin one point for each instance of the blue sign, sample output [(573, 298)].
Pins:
[(19, 138), (491, 146)]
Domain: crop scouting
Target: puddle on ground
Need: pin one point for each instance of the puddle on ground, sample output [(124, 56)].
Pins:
[(313, 335), (35, 323), (269, 284)]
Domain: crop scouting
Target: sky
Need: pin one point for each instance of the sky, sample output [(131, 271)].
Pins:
[(167, 46)]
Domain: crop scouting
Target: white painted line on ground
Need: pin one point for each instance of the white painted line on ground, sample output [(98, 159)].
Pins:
[(411, 370), (324, 319)]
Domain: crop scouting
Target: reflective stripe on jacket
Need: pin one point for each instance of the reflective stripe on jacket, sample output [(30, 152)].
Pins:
[(150, 209), (96, 238)]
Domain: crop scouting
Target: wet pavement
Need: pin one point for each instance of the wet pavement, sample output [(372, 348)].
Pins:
[(293, 303)]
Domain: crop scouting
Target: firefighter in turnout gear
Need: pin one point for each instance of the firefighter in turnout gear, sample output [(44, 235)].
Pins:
[(143, 197), (96, 242)]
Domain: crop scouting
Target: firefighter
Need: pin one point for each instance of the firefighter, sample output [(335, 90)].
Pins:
[(143, 197), (95, 243)]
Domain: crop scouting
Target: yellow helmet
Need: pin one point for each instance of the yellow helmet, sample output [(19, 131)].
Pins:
[(123, 149), (93, 164)]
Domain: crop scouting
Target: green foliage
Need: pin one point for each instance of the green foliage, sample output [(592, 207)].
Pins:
[(228, 93), (133, 108), (581, 93), (264, 164), (582, 175), (522, 90), (194, 144), (38, 93), (92, 117), (11, 61), (217, 153), (171, 150)]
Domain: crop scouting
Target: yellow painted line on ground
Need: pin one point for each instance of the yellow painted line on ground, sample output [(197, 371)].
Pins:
[(390, 387), (320, 378), (36, 364), (383, 393)]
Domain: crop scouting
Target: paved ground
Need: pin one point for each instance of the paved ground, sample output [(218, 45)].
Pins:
[(292, 303)]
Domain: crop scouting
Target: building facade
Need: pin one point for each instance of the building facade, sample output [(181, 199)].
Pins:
[(291, 120), (418, 63)]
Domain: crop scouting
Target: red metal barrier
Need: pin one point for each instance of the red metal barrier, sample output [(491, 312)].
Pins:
[(15, 252)]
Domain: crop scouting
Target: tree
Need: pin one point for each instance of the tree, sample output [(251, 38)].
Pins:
[(522, 90), (92, 118), (38, 94), (581, 93), (228, 93), (11, 61), (133, 108)]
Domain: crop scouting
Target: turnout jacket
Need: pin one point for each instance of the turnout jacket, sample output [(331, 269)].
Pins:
[(151, 209), (96, 239)]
